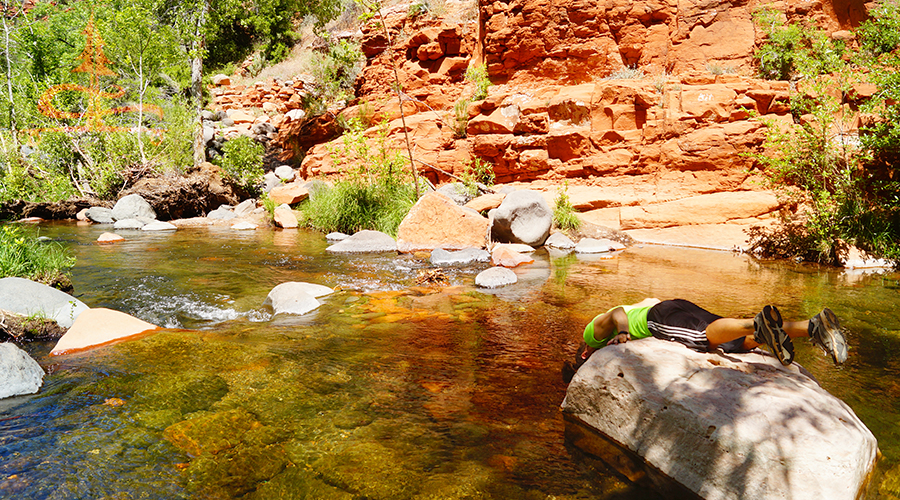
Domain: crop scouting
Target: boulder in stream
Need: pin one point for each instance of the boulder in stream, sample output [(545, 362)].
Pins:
[(133, 206), (295, 297), (717, 426), (435, 221), (30, 298), (495, 277), (99, 326), (19, 374), (523, 217)]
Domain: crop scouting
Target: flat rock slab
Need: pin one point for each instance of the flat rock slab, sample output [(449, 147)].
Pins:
[(719, 426), (365, 241), (592, 245), (99, 326), (19, 374), (159, 226), (441, 257), (26, 297)]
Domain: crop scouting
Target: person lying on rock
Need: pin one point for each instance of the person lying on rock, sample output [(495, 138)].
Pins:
[(682, 321)]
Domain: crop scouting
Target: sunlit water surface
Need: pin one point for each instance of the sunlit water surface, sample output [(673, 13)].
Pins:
[(389, 390)]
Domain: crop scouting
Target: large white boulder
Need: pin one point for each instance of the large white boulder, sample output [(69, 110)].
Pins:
[(19, 374), (731, 426), (30, 298), (523, 217)]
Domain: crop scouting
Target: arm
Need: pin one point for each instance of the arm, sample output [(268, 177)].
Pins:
[(608, 323)]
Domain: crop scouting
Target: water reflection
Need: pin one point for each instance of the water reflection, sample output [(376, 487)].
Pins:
[(389, 390)]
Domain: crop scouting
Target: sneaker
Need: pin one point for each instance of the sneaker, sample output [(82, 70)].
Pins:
[(825, 332), (768, 325)]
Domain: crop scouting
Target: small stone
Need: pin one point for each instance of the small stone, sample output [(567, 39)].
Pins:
[(285, 172), (559, 240), (496, 277), (244, 226), (107, 238)]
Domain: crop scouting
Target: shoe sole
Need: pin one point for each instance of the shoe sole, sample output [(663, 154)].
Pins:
[(774, 335), (832, 326)]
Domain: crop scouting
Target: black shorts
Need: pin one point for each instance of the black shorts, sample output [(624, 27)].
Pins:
[(682, 321)]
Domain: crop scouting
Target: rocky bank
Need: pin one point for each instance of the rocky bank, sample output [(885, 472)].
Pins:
[(644, 109)]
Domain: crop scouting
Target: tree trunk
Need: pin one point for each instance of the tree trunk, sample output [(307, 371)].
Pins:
[(196, 83)]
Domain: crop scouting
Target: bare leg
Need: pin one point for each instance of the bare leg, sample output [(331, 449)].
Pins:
[(727, 329)]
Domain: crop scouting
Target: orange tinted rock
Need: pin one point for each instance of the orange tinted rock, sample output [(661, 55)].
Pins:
[(503, 256), (107, 238), (285, 218), (288, 194), (98, 326), (435, 221), (486, 202)]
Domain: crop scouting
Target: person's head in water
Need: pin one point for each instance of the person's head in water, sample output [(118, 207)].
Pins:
[(569, 368)]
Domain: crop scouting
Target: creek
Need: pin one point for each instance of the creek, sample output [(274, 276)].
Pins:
[(389, 390)]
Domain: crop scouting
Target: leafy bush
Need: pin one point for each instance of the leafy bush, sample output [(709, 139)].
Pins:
[(242, 161), (880, 34), (478, 75), (336, 70), (477, 173), (564, 215), (376, 192), (794, 49), (23, 255)]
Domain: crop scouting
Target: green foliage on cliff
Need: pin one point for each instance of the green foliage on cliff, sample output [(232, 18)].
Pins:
[(376, 191), (792, 50), (243, 162), (846, 184)]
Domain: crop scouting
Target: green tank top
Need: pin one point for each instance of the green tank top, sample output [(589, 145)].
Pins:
[(637, 326)]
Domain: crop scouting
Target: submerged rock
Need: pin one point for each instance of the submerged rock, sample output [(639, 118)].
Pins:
[(19, 374), (30, 298), (365, 241), (719, 426), (99, 326)]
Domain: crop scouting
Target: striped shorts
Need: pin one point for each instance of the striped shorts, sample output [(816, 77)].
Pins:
[(684, 322)]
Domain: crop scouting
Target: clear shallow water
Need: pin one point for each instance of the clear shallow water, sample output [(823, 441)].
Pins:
[(387, 391)]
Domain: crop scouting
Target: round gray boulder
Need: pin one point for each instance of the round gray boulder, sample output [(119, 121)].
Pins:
[(132, 206), (30, 298), (19, 374), (523, 217), (100, 215)]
